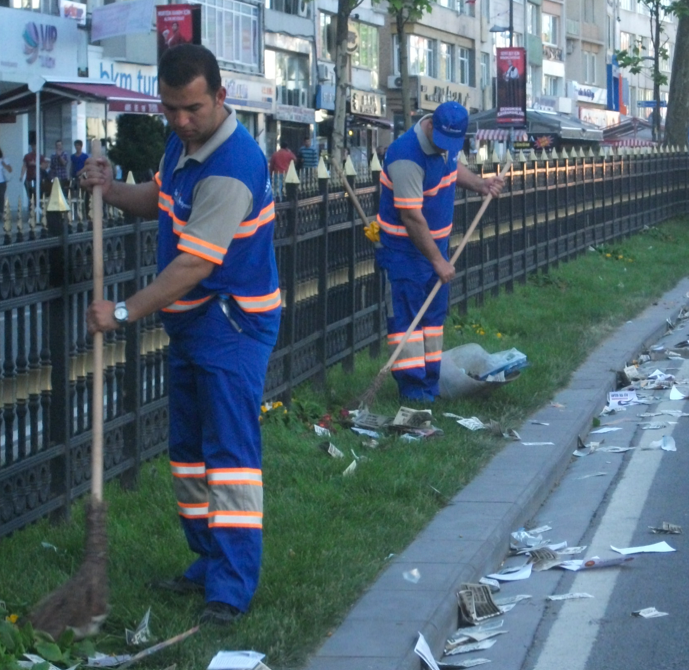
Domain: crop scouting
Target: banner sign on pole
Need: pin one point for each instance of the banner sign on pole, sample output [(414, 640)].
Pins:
[(511, 87)]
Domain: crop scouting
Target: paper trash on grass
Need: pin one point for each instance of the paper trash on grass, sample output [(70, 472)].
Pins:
[(412, 418), (667, 528), (666, 443), (99, 660), (34, 660), (410, 438), (412, 576), (569, 596), (47, 545), (423, 651), (236, 660), (472, 423), (142, 634), (320, 431), (365, 419), (649, 613), (476, 603), (513, 574), (349, 470), (657, 548), (330, 449), (368, 433)]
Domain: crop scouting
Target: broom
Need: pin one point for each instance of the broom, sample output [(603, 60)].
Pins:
[(369, 395), (82, 603)]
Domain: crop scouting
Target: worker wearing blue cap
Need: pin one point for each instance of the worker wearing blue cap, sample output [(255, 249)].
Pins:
[(416, 219)]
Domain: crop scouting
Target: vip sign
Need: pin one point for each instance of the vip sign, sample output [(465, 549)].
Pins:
[(39, 42)]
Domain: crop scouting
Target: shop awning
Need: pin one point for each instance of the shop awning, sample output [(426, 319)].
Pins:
[(21, 99), (366, 120), (500, 135), (629, 132), (638, 142)]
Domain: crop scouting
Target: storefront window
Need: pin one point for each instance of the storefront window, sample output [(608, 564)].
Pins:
[(366, 55), (231, 31)]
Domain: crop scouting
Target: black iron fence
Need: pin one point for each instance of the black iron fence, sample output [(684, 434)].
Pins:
[(549, 212)]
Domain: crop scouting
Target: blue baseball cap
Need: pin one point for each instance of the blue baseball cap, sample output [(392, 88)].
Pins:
[(450, 121)]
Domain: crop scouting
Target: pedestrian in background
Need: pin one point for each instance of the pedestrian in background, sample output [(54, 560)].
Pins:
[(279, 164), (30, 172), (78, 160), (59, 166), (308, 155), (5, 171)]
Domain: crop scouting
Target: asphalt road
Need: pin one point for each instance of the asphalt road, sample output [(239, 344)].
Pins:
[(611, 499)]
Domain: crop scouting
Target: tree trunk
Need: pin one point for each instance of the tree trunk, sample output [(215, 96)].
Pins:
[(344, 9), (402, 41), (677, 123)]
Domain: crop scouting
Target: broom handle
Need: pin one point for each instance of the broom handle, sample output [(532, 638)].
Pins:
[(97, 430), (352, 195), (388, 366)]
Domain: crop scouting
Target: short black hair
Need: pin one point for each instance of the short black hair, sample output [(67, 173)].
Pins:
[(78, 142), (182, 64), (283, 144)]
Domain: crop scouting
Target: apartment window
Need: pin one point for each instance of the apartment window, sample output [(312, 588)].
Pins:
[(589, 12), (291, 74), (446, 65), (326, 36), (485, 70), (366, 55), (485, 9), (296, 7), (450, 4), (626, 41), (466, 7), (465, 62), (610, 31), (422, 56), (551, 86), (532, 19), (590, 67), (503, 39), (549, 34), (666, 63), (231, 30), (629, 5)]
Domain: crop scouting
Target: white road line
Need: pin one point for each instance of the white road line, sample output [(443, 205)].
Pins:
[(571, 637)]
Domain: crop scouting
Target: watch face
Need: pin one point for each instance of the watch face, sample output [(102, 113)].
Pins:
[(121, 314)]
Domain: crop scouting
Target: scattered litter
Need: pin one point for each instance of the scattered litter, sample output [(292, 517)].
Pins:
[(540, 529), (99, 660), (569, 596), (349, 470), (539, 423), (605, 429), (472, 423), (622, 398), (657, 548), (330, 449), (506, 604), (676, 394), (410, 438), (649, 613), (47, 545), (493, 584), (364, 419), (595, 562), (572, 551), (471, 647), (614, 450), (357, 457), (673, 412), (476, 603), (649, 415), (667, 528), (466, 636), (423, 651), (368, 433), (463, 633), (463, 663), (413, 576), (558, 405), (370, 444), (544, 559), (142, 634), (35, 660), (652, 426), (513, 574), (538, 444), (450, 415), (526, 539), (585, 449), (593, 474), (666, 443), (659, 375), (235, 660), (631, 372), (320, 431), (412, 418)]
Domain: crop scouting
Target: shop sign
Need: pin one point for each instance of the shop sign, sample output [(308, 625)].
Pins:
[(37, 44), (325, 96), (592, 94), (295, 114), (139, 78), (247, 93), (433, 92), (599, 117), (366, 102)]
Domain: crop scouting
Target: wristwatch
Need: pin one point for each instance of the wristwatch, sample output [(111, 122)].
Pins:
[(121, 313)]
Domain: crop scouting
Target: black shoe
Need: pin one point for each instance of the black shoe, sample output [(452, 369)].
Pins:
[(180, 585), (220, 614)]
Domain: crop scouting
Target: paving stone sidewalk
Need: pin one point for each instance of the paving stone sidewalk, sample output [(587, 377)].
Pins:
[(469, 538)]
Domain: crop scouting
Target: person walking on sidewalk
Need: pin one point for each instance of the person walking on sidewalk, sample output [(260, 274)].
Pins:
[(59, 166), (308, 155), (279, 164), (5, 176), (219, 299), (415, 218)]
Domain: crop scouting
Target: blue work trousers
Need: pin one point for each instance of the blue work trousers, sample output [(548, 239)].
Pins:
[(216, 385)]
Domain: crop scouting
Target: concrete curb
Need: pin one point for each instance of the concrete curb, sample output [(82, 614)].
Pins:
[(469, 538)]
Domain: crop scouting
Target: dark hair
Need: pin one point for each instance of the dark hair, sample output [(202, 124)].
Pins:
[(78, 142), (2, 155), (283, 144), (182, 64)]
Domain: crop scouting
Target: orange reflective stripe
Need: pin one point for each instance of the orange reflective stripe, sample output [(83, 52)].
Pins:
[(447, 180), (259, 303), (407, 363), (235, 520), (416, 336), (185, 305), (390, 229), (197, 247), (433, 356), (188, 469), (433, 331), (235, 476), (443, 232), (249, 227), (157, 180), (408, 203), (385, 180), (193, 510)]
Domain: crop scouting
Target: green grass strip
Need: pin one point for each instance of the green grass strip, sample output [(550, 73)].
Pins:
[(328, 536)]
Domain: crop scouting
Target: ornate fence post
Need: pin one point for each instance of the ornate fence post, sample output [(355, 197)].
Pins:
[(323, 190)]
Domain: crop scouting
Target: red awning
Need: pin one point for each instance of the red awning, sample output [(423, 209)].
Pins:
[(21, 99), (501, 135), (631, 142)]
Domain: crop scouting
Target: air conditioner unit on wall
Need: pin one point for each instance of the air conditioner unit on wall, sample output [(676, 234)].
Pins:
[(394, 81), (326, 73)]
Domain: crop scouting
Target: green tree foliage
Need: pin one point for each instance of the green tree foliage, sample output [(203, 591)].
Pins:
[(140, 144)]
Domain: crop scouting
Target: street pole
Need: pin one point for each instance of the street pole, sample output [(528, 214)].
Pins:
[(512, 22)]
